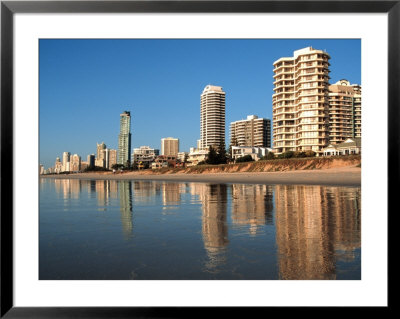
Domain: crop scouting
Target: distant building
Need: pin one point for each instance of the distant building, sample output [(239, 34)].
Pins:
[(163, 161), (58, 166), (41, 169), (75, 163), (256, 153), (101, 151), (124, 139), (100, 163), (90, 160), (169, 146), (253, 131), (344, 111), (65, 162), (349, 147), (144, 154), (84, 165), (212, 117), (111, 158)]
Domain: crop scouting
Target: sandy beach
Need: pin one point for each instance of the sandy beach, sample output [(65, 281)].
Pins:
[(341, 176)]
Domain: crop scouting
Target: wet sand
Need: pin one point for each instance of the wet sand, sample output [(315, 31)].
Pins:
[(344, 176)]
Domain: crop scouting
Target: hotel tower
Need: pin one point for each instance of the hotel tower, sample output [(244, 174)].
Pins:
[(344, 111), (212, 117), (300, 103), (124, 138)]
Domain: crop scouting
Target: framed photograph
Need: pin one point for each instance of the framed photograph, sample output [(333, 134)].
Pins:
[(158, 156)]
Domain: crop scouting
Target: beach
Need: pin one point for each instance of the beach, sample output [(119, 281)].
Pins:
[(339, 176)]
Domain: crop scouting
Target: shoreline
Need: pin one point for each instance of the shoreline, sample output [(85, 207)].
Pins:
[(341, 176)]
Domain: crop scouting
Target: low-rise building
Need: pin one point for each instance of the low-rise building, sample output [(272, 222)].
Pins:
[(144, 155), (197, 155), (256, 153), (348, 147), (182, 156), (163, 161)]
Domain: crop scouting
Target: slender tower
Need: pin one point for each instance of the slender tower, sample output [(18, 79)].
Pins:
[(212, 117), (124, 139)]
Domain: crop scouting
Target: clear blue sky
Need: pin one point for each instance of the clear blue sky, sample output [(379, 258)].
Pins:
[(86, 84)]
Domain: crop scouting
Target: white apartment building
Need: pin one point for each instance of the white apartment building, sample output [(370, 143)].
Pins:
[(255, 152), (212, 117), (253, 131), (300, 103), (196, 156)]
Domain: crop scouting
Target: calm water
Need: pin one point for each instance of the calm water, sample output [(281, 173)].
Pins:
[(98, 229)]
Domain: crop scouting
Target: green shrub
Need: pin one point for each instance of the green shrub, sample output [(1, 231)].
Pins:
[(310, 153), (298, 154), (287, 154), (246, 158)]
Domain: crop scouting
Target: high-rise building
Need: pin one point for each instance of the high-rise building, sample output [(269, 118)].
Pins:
[(75, 165), (169, 146), (58, 166), (212, 117), (65, 162), (344, 111), (300, 102), (100, 151), (124, 139), (111, 158), (253, 131), (90, 160)]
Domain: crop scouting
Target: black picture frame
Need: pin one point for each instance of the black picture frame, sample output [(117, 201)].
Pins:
[(9, 8)]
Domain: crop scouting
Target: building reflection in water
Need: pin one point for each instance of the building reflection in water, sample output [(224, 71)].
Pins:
[(252, 205), (312, 222), (213, 198), (103, 191), (125, 200)]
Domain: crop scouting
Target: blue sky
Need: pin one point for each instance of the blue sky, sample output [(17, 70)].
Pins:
[(85, 84)]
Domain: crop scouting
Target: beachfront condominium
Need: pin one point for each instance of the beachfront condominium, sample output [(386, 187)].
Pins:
[(300, 103), (212, 117), (169, 146), (124, 139), (344, 111), (254, 131)]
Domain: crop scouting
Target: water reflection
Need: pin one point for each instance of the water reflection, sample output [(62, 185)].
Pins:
[(125, 200), (252, 205), (313, 227), (312, 222)]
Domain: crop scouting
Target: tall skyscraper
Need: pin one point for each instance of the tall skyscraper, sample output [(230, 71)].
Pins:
[(344, 111), (169, 146), (65, 162), (300, 102), (124, 138), (100, 151), (212, 117), (253, 131)]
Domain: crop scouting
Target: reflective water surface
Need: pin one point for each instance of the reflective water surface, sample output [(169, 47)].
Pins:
[(99, 229)]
